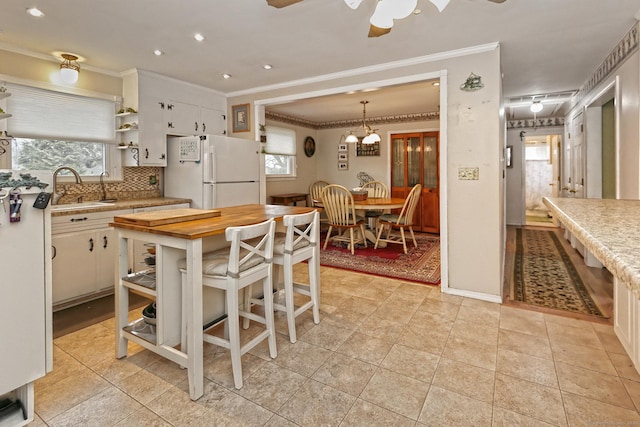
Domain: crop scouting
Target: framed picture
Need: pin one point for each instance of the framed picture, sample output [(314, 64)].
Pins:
[(343, 157), (342, 147), (367, 149), (241, 118), (343, 166), (508, 156)]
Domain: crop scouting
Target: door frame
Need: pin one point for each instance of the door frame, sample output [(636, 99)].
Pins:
[(259, 108)]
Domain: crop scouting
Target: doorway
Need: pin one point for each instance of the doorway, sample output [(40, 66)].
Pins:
[(542, 176)]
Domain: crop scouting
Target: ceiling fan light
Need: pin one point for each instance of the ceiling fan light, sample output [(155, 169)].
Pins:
[(536, 107), (353, 4), (440, 4)]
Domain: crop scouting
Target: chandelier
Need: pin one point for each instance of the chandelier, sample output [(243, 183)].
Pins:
[(371, 137)]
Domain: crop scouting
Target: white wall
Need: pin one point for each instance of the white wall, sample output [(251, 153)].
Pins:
[(472, 136), (627, 78)]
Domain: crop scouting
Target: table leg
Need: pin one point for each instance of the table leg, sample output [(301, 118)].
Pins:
[(194, 320)]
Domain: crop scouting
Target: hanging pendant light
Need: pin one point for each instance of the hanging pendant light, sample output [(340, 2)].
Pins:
[(69, 69), (370, 135)]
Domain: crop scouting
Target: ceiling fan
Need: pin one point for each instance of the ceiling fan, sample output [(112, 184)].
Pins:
[(386, 11)]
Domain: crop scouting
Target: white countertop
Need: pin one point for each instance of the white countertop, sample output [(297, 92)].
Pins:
[(609, 229)]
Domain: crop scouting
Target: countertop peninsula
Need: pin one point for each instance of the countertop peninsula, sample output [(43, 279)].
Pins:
[(609, 229)]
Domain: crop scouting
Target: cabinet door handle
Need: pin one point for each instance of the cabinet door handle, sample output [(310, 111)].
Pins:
[(105, 242), (196, 126), (54, 251), (91, 245), (169, 106), (161, 105), (204, 127), (146, 153), (78, 219), (170, 125), (163, 156)]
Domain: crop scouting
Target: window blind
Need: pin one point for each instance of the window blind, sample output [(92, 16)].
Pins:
[(281, 141), (45, 114)]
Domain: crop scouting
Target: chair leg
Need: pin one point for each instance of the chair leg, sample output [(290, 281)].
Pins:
[(380, 230), (246, 304), (288, 295), (415, 244), (314, 279), (353, 244), (404, 242), (268, 314), (364, 238), (234, 335), (328, 236)]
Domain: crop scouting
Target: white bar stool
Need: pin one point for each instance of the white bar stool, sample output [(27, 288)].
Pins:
[(233, 269), (301, 242)]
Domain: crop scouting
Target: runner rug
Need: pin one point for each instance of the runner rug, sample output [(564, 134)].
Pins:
[(545, 276), (421, 264)]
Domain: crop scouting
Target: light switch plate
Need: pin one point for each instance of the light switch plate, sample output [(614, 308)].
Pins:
[(468, 173)]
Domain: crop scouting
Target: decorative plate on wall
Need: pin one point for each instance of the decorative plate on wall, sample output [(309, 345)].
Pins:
[(309, 146)]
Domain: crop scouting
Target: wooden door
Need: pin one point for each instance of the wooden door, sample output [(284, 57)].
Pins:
[(415, 160)]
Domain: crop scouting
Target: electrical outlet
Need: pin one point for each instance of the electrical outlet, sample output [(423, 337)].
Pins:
[(468, 173)]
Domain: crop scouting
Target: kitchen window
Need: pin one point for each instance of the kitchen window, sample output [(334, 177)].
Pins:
[(280, 160), (52, 129)]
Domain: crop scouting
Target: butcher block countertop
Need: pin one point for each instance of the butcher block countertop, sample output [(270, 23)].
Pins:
[(229, 217), (121, 204)]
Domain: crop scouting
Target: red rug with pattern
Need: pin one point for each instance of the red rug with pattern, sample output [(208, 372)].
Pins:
[(421, 264)]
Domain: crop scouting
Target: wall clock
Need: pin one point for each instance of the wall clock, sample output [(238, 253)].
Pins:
[(309, 146)]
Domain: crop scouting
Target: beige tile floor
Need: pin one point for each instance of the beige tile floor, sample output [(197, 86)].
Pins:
[(385, 353)]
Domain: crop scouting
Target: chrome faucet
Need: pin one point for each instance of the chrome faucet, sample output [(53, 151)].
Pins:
[(56, 196)]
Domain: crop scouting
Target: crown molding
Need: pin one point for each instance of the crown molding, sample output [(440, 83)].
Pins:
[(353, 123), (372, 69)]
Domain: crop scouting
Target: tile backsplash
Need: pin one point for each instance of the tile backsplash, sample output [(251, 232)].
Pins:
[(137, 183)]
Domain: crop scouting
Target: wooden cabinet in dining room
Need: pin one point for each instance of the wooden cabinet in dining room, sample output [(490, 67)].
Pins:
[(415, 160)]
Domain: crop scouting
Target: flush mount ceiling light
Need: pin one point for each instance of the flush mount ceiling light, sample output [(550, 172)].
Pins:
[(386, 11), (69, 69), (226, 76), (536, 107), (267, 66), (34, 11), (199, 37), (370, 135), (158, 52)]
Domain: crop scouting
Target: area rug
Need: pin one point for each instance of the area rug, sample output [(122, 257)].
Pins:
[(544, 275), (421, 264)]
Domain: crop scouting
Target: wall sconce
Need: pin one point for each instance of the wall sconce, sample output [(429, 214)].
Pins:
[(69, 69)]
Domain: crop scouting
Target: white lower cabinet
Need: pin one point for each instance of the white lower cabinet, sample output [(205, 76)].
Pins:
[(84, 251)]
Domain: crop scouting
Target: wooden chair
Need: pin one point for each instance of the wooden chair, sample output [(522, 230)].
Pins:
[(341, 213), (400, 222), (233, 269), (375, 189), (300, 243), (315, 193)]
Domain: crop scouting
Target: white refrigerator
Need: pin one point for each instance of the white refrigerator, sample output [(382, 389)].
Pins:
[(213, 171)]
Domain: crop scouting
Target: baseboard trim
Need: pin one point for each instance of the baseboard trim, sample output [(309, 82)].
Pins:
[(475, 295)]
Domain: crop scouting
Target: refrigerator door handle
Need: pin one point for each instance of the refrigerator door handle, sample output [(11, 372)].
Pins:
[(209, 164), (209, 196)]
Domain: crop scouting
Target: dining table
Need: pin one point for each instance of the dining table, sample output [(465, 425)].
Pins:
[(372, 203), (176, 332)]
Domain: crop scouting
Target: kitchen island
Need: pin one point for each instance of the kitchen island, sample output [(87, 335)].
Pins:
[(610, 232), (181, 240)]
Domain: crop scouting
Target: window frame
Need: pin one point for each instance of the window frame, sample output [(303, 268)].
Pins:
[(287, 151)]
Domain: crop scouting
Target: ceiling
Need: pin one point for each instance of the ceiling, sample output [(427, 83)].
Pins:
[(547, 46)]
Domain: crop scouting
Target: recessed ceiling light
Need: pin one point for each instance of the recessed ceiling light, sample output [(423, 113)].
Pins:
[(199, 37), (436, 83), (226, 76), (34, 11), (158, 52), (267, 66), (417, 11)]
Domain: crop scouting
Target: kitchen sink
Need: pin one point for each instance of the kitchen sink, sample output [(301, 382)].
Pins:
[(84, 205)]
